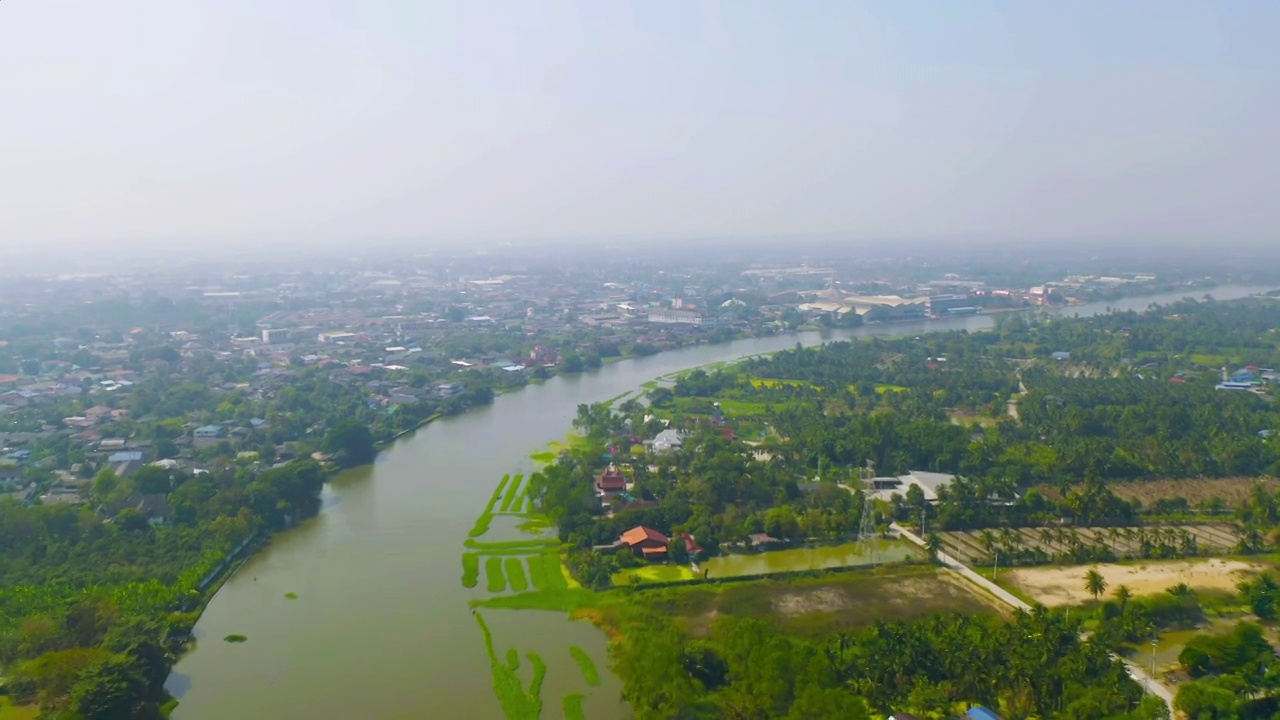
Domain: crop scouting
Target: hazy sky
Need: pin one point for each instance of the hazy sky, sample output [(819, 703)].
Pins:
[(143, 121)]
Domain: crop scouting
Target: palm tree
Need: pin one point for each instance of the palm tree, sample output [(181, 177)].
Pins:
[(989, 540), (1123, 594), (933, 543), (1094, 583), (1188, 543)]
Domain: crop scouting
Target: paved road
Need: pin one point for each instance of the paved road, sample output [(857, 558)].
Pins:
[(1138, 674)]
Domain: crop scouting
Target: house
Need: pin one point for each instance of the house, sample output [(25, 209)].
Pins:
[(903, 716), (761, 540), (691, 545), (10, 470), (645, 542), (668, 440), (884, 488), (1061, 355), (155, 506), (113, 444), (448, 389), (611, 481), (678, 317), (209, 432)]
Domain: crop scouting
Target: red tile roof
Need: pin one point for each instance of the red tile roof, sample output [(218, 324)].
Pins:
[(690, 544), (611, 479), (640, 533)]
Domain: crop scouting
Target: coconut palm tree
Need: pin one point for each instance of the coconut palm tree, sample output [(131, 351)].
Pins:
[(988, 540), (1188, 544), (1123, 595), (1094, 583), (933, 543)]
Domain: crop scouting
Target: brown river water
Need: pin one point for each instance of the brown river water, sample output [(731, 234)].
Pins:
[(381, 627)]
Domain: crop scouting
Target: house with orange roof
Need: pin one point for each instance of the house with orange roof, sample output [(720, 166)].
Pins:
[(646, 542)]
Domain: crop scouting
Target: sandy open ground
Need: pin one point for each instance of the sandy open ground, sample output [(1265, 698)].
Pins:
[(1055, 586)]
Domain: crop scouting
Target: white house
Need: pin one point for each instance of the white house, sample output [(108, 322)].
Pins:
[(668, 440)]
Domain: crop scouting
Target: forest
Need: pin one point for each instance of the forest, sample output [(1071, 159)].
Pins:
[(1033, 665), (92, 612)]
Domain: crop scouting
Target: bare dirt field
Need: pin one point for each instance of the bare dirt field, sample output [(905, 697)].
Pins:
[(832, 603), (1056, 586)]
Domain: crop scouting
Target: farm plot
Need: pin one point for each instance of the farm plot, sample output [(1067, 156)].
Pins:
[(1057, 586), (1037, 546)]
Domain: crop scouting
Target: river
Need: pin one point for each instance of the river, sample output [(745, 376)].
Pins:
[(380, 628)]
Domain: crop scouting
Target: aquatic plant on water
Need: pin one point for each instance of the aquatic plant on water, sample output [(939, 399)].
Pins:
[(497, 582), (515, 574), (586, 664)]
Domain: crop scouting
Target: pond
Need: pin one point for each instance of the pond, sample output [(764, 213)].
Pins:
[(815, 557)]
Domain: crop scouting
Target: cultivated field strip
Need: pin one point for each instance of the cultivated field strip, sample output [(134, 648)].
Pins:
[(1024, 546)]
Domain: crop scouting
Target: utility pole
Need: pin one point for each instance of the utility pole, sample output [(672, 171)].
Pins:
[(1153, 660), (995, 567)]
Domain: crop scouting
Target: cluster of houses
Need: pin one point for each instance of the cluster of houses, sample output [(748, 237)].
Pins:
[(1250, 379), (977, 712)]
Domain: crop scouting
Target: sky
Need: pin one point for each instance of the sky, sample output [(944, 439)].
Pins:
[(286, 122)]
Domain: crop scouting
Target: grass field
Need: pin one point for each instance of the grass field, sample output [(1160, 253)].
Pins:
[(778, 382), (963, 417), (653, 574), (743, 409), (831, 603), (9, 711), (1211, 361)]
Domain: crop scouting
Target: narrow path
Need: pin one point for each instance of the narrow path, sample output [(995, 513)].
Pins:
[(1149, 684)]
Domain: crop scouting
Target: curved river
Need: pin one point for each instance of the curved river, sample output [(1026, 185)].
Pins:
[(380, 628)]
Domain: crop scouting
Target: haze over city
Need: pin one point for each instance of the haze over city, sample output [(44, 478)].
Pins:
[(153, 124)]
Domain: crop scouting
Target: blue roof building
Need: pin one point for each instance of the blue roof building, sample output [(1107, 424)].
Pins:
[(977, 712), (208, 432), (125, 456)]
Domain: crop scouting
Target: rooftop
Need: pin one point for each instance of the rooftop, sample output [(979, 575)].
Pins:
[(928, 482), (640, 533)]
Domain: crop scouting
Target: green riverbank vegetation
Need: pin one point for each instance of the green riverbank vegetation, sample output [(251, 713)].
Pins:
[(1031, 424), (589, 673), (92, 613)]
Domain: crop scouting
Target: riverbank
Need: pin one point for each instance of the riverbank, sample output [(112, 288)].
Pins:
[(383, 626)]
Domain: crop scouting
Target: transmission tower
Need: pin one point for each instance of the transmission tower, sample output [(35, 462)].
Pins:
[(866, 543)]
